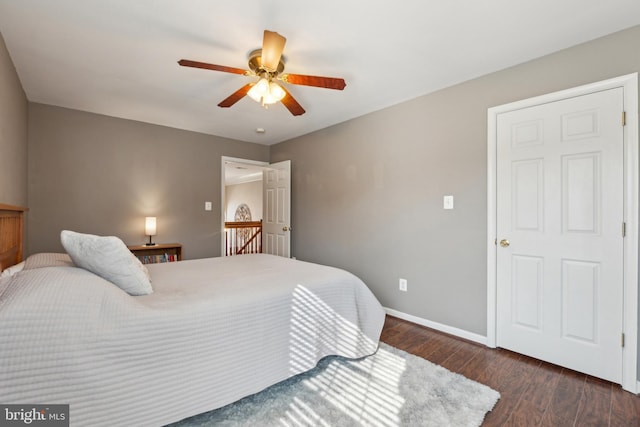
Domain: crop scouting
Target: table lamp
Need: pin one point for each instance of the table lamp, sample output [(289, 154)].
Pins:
[(150, 228)]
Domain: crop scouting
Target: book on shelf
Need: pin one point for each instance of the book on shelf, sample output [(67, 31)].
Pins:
[(155, 259)]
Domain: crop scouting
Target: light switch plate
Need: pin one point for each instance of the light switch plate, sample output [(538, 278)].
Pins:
[(448, 202), (207, 206)]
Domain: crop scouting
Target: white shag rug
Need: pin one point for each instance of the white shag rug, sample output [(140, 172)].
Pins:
[(388, 389)]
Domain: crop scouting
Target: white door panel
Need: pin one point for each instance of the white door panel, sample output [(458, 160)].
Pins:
[(276, 227), (560, 206), (527, 291)]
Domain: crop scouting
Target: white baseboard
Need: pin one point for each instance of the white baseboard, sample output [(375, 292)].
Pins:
[(461, 333)]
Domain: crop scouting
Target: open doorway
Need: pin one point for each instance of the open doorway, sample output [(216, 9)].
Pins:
[(243, 192), (242, 206), (255, 198)]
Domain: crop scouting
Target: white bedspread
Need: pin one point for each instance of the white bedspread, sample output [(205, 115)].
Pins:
[(214, 330)]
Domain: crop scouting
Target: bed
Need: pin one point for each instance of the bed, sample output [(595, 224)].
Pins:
[(211, 332)]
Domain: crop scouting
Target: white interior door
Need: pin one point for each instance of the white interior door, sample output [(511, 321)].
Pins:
[(559, 209), (276, 226)]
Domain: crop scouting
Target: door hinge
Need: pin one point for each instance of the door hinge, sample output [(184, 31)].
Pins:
[(624, 229), (622, 341), (624, 118)]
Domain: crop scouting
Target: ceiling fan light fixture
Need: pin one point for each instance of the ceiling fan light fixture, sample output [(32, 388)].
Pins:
[(267, 63), (266, 92)]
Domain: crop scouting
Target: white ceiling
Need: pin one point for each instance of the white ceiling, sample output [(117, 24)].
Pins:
[(119, 57), (241, 173)]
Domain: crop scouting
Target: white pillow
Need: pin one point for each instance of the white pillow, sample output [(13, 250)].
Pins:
[(8, 272), (48, 259), (109, 258)]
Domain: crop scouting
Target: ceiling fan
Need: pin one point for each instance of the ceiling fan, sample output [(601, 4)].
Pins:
[(268, 65)]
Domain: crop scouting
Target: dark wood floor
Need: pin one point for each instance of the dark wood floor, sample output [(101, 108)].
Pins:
[(533, 393)]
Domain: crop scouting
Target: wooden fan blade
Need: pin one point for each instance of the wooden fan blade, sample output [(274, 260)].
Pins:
[(272, 47), (292, 105), (235, 96), (214, 67), (317, 81)]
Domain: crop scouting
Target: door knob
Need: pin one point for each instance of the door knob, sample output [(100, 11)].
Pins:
[(504, 243), (285, 228)]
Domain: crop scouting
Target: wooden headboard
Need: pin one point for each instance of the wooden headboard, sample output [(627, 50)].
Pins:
[(11, 235)]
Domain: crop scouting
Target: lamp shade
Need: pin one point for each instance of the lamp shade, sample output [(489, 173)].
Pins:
[(276, 91), (259, 90), (150, 226)]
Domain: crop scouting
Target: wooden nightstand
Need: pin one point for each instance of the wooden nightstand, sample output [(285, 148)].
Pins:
[(160, 252)]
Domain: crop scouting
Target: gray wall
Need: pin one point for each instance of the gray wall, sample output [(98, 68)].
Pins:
[(97, 174), (13, 133), (367, 194)]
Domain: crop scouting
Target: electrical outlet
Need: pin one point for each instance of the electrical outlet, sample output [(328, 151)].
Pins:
[(402, 285)]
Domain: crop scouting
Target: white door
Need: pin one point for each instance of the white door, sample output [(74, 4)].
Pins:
[(276, 226), (559, 232)]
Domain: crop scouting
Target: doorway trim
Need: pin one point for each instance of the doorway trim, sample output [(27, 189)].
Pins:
[(223, 191), (629, 84)]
